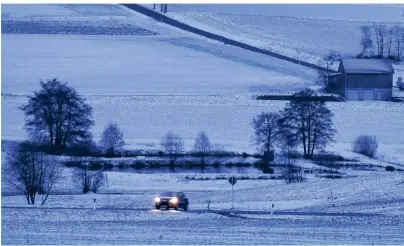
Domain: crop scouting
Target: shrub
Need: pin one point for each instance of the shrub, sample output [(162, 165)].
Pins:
[(244, 154), (292, 174), (97, 182), (365, 145), (72, 163), (390, 169), (229, 164), (108, 165), (121, 165), (138, 165), (216, 165), (332, 176), (257, 156), (267, 170), (96, 165), (327, 157)]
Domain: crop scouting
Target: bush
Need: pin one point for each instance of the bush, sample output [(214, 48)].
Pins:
[(390, 169), (366, 145), (108, 165), (267, 170), (122, 164), (229, 164), (327, 157), (72, 163), (244, 154), (292, 174), (257, 156), (138, 165), (97, 182), (96, 165), (332, 176)]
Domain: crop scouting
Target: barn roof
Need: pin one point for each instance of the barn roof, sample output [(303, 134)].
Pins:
[(367, 66)]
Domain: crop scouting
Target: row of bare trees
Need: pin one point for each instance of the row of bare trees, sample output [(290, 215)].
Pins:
[(173, 146), (380, 40), (163, 7)]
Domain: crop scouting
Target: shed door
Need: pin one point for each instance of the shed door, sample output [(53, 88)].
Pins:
[(368, 95), (352, 95)]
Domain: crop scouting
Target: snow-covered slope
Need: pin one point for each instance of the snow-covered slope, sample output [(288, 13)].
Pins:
[(169, 81), (305, 32)]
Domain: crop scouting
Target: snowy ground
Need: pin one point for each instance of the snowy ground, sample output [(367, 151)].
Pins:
[(175, 81), (225, 118), (134, 227), (305, 32), (130, 218)]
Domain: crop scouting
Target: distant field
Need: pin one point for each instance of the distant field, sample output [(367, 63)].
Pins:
[(133, 65), (173, 81), (226, 119), (305, 32)]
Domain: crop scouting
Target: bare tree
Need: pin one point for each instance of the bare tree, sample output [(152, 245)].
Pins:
[(389, 40), (97, 181), (266, 130), (163, 8), (83, 176), (380, 33), (32, 171), (398, 39), (58, 112), (308, 119), (366, 40), (173, 145), (292, 173), (112, 139), (202, 145), (323, 77)]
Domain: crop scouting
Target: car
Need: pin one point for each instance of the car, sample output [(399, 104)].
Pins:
[(170, 199)]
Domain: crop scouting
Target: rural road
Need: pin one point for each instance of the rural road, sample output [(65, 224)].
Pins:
[(224, 212)]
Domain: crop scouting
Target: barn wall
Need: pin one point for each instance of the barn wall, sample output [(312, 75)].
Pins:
[(368, 94), (337, 85), (369, 81)]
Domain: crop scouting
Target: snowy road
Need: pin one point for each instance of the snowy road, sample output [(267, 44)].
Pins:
[(54, 226)]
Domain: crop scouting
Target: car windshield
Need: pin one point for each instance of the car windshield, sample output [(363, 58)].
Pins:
[(167, 193)]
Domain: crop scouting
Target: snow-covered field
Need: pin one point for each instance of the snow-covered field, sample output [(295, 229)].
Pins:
[(133, 227), (172, 80), (130, 218), (305, 32)]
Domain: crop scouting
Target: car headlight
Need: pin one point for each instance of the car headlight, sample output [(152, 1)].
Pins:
[(157, 199), (174, 200)]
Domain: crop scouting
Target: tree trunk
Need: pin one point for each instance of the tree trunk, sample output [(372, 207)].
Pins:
[(28, 201), (32, 196)]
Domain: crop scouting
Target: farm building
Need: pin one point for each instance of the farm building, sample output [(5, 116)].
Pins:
[(363, 79)]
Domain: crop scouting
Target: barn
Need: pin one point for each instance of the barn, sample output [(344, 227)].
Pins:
[(363, 79)]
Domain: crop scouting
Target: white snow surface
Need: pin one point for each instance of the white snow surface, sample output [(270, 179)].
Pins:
[(302, 31)]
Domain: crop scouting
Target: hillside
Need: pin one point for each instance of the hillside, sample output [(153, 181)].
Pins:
[(305, 32), (163, 79)]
